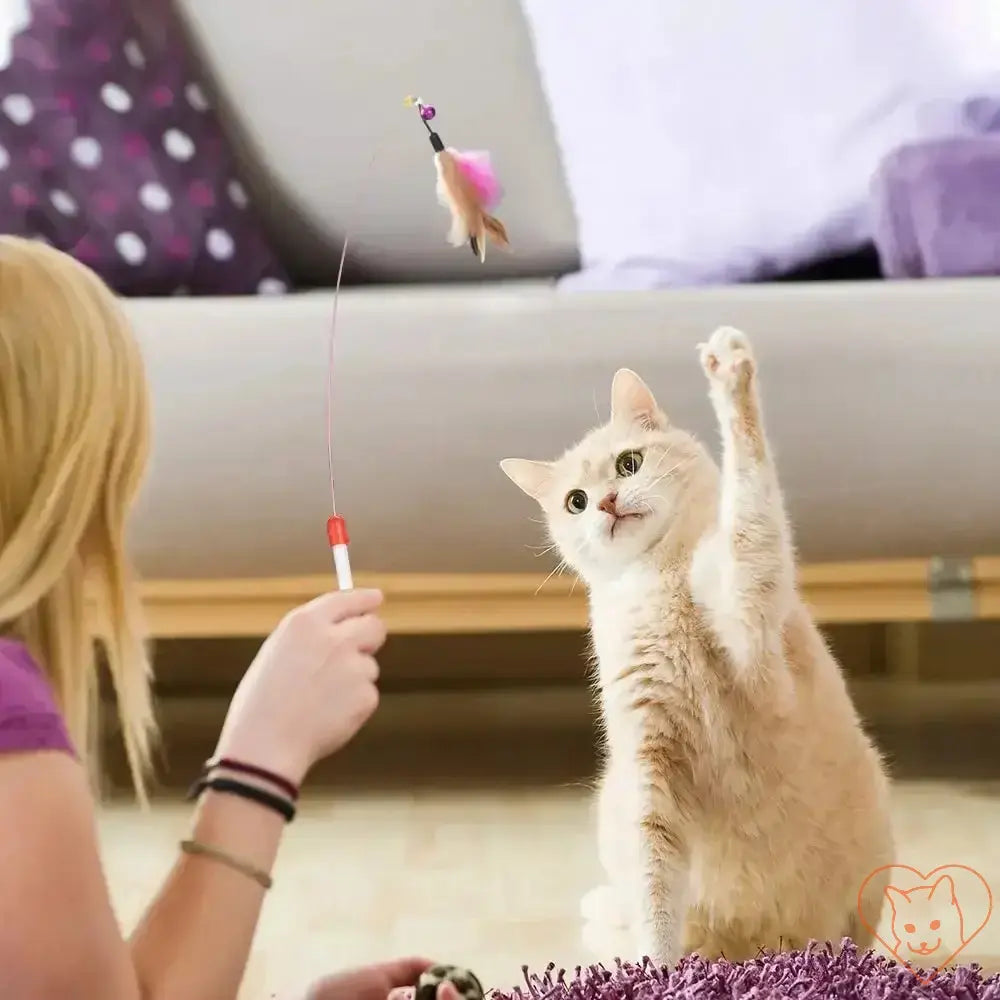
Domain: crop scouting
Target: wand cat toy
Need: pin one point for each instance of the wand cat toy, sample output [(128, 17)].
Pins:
[(469, 189)]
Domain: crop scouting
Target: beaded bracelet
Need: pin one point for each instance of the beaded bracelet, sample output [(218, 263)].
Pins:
[(230, 786)]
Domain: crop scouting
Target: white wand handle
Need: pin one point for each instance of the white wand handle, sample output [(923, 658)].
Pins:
[(336, 533)]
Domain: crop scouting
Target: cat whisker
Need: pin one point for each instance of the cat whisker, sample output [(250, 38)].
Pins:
[(659, 479), (661, 458), (541, 550), (558, 568), (669, 472)]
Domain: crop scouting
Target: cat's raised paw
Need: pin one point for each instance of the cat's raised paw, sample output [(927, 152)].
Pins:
[(727, 357), (601, 905)]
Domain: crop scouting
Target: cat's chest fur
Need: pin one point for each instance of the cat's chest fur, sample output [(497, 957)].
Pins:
[(621, 608), (649, 639)]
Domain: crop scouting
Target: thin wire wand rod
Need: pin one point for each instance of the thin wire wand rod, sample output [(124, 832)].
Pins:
[(329, 374)]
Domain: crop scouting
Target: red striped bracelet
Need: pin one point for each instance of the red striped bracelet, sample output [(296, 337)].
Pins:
[(239, 767)]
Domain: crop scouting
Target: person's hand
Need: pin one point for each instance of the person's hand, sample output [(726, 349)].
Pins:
[(445, 991), (392, 980), (310, 688)]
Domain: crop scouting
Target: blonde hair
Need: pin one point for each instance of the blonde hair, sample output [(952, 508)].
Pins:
[(74, 439)]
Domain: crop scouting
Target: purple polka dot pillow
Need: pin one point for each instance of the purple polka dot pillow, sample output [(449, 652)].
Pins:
[(110, 150)]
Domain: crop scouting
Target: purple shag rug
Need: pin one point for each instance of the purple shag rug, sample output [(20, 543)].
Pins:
[(816, 973)]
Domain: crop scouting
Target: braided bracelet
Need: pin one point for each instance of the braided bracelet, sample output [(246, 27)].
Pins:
[(196, 847)]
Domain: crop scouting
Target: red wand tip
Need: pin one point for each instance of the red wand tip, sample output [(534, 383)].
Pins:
[(336, 530)]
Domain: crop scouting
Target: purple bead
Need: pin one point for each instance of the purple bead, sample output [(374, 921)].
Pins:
[(427, 112)]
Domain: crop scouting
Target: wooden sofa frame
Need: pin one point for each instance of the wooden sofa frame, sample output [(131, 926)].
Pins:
[(910, 590)]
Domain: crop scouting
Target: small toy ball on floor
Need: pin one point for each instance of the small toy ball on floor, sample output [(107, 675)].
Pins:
[(467, 985)]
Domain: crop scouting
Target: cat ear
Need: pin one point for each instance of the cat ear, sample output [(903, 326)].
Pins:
[(895, 896), (633, 403), (531, 477), (944, 886)]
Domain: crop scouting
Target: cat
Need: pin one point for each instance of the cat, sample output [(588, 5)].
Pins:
[(741, 804), (927, 922)]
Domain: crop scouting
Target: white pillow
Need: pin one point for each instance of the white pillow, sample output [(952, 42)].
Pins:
[(725, 140)]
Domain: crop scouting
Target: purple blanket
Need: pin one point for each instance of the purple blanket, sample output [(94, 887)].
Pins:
[(936, 209)]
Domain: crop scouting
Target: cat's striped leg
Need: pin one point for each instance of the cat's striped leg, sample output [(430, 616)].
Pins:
[(665, 809), (744, 572), (665, 887)]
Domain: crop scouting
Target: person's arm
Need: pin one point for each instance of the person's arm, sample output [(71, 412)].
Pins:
[(58, 934), (179, 948), (308, 691)]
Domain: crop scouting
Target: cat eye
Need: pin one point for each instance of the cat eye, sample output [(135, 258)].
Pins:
[(909, 928), (576, 501), (628, 463), (935, 924)]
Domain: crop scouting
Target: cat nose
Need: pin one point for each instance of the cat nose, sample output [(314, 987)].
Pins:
[(608, 504)]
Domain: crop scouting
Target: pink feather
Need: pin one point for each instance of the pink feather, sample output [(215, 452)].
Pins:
[(478, 171)]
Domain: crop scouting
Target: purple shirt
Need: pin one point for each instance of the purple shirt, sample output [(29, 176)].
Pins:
[(29, 717)]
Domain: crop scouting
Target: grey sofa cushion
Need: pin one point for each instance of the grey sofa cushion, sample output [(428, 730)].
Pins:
[(880, 399)]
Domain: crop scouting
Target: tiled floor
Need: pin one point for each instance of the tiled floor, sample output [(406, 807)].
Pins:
[(490, 880)]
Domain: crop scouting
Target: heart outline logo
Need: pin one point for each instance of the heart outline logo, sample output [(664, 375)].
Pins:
[(923, 879)]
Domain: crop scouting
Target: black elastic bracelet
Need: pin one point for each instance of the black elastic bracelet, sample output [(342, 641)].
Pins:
[(230, 786), (240, 767)]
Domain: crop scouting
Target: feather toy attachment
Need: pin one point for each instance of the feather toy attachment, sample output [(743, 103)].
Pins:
[(468, 188)]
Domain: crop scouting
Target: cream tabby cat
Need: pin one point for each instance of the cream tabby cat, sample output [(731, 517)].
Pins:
[(742, 806)]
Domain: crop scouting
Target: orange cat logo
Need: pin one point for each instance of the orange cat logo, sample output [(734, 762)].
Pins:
[(931, 917), (927, 922)]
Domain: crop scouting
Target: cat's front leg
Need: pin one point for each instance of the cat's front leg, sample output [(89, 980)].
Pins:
[(611, 910), (663, 840), (607, 904), (664, 889), (743, 572), (642, 840)]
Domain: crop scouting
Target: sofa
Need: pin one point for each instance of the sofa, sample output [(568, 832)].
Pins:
[(881, 397)]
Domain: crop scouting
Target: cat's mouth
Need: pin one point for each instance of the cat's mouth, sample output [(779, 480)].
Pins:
[(925, 948), (619, 519)]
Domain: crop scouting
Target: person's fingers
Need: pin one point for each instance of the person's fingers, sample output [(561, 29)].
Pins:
[(368, 667), (340, 605), (447, 991), (404, 971), (402, 993), (365, 632)]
